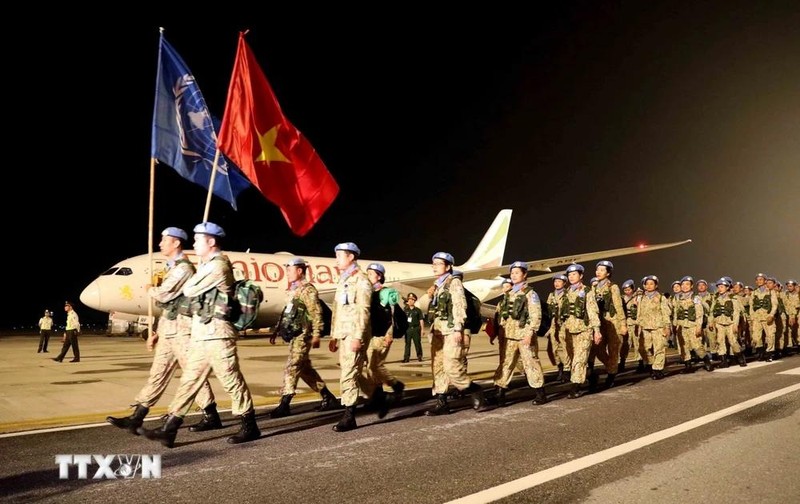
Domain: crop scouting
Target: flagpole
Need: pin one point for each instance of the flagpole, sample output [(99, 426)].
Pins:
[(150, 246), (211, 186)]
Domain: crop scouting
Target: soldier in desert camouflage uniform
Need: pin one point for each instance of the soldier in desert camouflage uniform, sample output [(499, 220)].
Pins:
[(709, 338), (723, 317), (301, 326), (613, 326), (559, 349), (687, 317), (653, 317), (172, 335), (791, 301), (525, 316), (447, 313), (630, 302), (351, 330), (213, 345), (581, 321), (764, 306)]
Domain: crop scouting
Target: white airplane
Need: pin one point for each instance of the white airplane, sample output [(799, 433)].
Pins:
[(120, 290)]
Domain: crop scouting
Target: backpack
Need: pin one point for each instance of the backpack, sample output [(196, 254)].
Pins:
[(400, 322), (381, 316), (244, 305), (474, 320)]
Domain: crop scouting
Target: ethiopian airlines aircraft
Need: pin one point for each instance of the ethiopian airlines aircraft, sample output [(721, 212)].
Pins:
[(121, 288)]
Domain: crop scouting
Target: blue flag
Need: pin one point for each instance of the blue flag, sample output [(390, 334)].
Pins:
[(184, 134)]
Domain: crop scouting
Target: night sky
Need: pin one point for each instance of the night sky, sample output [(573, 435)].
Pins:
[(601, 124)]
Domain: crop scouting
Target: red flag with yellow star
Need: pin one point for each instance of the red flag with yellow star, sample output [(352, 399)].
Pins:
[(269, 150)]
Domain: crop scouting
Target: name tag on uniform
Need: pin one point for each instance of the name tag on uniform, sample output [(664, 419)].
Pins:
[(409, 318), (288, 307), (343, 298)]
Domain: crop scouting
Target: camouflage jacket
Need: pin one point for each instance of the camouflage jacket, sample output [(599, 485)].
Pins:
[(351, 317)]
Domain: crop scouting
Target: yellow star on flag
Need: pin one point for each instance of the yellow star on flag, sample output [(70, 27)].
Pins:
[(269, 152)]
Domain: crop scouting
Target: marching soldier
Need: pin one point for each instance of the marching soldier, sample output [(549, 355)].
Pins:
[(653, 317), (558, 348), (384, 301), (742, 331), (581, 321), (688, 319), (724, 317), (447, 314), (791, 300), (613, 326), (351, 330), (676, 290), (171, 339), (709, 339), (301, 326), (213, 346), (764, 306), (525, 316), (630, 302)]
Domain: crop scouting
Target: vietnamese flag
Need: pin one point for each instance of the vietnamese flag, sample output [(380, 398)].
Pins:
[(269, 150)]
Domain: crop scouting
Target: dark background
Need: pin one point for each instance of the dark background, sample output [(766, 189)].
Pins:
[(601, 124)]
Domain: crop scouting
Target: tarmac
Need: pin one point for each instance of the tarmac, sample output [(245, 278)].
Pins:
[(38, 393)]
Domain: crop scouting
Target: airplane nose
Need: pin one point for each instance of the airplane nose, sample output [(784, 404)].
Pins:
[(91, 295)]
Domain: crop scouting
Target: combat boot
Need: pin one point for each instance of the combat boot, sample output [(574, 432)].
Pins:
[(593, 379), (283, 409), (621, 367), (166, 433), (478, 401), (249, 430), (210, 420), (560, 377), (740, 358), (329, 401), (610, 380), (440, 408), (574, 391), (380, 402), (567, 376), (398, 387), (707, 363), (541, 397), (762, 354), (687, 367), (640, 368), (348, 421), (132, 422), (724, 362), (658, 374), (500, 396)]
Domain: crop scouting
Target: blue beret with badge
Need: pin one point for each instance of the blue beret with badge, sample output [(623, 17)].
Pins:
[(702, 281), (653, 278), (348, 247), (608, 264), (723, 281), (518, 264), (175, 233), (575, 267), (687, 278), (209, 228), (458, 274), (560, 276), (791, 282), (377, 267), (628, 283)]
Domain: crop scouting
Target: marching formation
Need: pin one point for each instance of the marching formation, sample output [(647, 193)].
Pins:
[(600, 321)]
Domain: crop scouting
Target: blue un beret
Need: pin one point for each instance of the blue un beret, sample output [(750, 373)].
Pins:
[(458, 274), (175, 233), (296, 261), (518, 264), (608, 264), (687, 278), (723, 281), (209, 228), (560, 276), (628, 283), (575, 267), (444, 256), (348, 247), (377, 267), (653, 278)]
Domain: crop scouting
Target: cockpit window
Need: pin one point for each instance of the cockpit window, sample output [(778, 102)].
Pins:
[(110, 271), (124, 272)]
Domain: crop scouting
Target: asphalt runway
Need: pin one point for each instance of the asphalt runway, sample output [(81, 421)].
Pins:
[(726, 436)]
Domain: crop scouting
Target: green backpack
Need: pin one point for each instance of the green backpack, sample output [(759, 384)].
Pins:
[(244, 306)]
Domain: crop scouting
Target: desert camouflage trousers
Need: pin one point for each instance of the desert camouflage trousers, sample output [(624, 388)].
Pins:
[(170, 353), (221, 357), (447, 365), (298, 366), (516, 350)]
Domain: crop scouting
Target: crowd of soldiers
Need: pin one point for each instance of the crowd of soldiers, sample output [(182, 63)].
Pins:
[(587, 322)]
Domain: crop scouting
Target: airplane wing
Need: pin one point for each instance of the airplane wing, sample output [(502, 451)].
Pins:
[(564, 261)]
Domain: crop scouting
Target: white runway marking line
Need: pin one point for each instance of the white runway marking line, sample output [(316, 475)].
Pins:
[(536, 479), (795, 371), (736, 368)]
